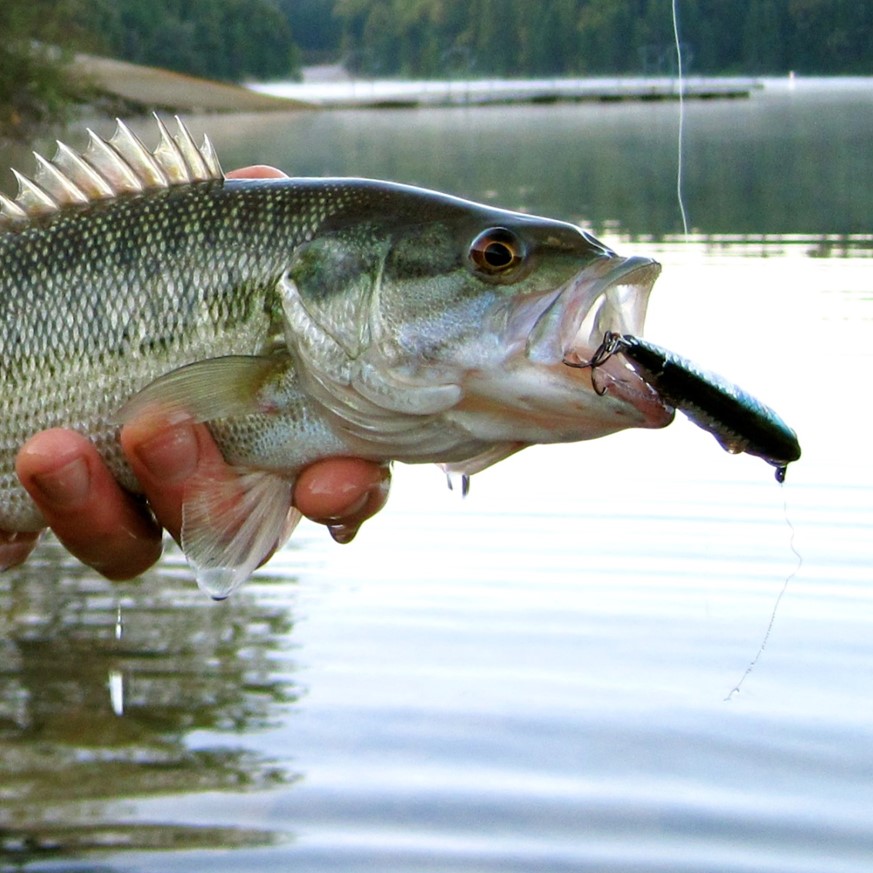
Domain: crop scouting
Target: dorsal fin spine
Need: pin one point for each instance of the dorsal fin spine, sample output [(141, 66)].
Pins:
[(56, 183), (10, 211), (211, 158), (107, 169), (131, 148), (84, 175), (106, 161), (191, 154), (32, 198), (170, 158)]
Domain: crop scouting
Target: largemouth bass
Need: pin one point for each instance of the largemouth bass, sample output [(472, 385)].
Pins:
[(300, 319)]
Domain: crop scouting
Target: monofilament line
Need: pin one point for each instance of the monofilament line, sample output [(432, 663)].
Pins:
[(681, 135), (754, 662)]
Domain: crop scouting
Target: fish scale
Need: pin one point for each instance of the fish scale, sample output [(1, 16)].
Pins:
[(169, 319)]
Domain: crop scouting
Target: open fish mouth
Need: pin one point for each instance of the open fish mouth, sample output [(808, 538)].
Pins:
[(615, 302), (611, 295)]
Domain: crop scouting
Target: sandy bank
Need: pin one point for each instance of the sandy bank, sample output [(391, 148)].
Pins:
[(147, 89)]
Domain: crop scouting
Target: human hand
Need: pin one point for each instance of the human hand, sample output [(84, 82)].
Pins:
[(116, 534)]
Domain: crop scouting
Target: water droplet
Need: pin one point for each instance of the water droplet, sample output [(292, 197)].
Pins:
[(343, 533), (116, 691), (464, 482), (217, 582)]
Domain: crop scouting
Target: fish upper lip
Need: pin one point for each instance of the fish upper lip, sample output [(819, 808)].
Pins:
[(611, 294), (618, 303)]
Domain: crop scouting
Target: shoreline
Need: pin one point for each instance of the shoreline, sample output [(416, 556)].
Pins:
[(125, 88), (139, 89)]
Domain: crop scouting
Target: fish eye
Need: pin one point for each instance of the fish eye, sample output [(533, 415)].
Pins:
[(496, 251)]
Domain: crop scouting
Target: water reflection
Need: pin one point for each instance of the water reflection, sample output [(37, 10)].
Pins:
[(183, 664), (756, 245), (782, 162)]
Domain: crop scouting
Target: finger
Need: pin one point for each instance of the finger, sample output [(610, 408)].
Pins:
[(100, 523), (342, 493), (258, 171), (15, 546), (167, 459)]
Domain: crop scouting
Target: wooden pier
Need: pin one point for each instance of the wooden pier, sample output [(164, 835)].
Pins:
[(386, 93)]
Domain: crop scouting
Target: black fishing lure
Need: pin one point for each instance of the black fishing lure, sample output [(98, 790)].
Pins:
[(740, 422)]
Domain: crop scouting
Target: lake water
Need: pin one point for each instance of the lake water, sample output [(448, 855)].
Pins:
[(537, 677)]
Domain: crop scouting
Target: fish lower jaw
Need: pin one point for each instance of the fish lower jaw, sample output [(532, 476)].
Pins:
[(542, 426), (616, 381), (653, 410), (550, 404)]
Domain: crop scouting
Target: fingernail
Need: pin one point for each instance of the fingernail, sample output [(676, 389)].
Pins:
[(353, 508), (344, 526), (15, 546), (383, 486), (66, 486), (377, 490), (171, 455)]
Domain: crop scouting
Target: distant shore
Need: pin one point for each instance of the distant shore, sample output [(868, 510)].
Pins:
[(125, 88), (132, 88)]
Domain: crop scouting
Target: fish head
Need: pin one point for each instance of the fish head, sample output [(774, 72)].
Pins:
[(469, 312)]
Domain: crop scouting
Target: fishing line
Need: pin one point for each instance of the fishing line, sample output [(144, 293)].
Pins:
[(754, 662), (680, 150), (680, 76)]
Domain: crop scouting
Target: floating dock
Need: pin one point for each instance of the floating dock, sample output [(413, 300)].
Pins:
[(387, 93), (138, 88)]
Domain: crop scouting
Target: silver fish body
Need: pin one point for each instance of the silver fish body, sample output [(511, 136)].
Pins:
[(300, 318)]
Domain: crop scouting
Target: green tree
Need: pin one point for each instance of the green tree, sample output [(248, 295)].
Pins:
[(826, 33), (496, 36), (552, 39), (317, 32), (604, 30), (764, 49), (34, 85), (222, 39)]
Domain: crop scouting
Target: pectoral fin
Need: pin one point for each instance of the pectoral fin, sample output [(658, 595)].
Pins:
[(224, 387), (229, 526)]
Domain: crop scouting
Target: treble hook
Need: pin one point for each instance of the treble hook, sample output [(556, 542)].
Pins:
[(612, 343)]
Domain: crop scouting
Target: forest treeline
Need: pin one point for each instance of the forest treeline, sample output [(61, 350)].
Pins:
[(220, 39), (578, 37), (236, 39), (262, 39)]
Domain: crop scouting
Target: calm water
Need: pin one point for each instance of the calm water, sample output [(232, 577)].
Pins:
[(533, 678)]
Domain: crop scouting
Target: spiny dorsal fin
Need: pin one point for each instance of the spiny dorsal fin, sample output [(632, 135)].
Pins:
[(107, 169)]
